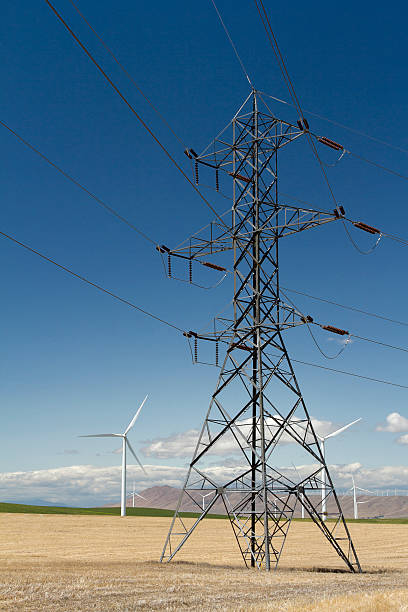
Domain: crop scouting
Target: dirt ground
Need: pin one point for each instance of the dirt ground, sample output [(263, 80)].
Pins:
[(78, 563)]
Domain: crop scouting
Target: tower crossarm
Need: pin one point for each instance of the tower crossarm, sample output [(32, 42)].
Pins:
[(279, 221)]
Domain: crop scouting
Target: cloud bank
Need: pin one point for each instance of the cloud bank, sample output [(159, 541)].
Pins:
[(184, 443), (87, 485)]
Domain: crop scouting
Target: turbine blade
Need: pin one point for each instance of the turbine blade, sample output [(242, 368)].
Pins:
[(294, 423), (365, 490), (135, 456), (338, 431), (138, 495), (133, 421), (101, 436)]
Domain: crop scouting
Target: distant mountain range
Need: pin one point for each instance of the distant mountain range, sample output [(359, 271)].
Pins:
[(33, 502), (165, 497)]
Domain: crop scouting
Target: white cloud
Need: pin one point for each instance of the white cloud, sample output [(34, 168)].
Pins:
[(83, 484), (178, 445), (184, 443), (395, 423), (403, 439), (89, 485)]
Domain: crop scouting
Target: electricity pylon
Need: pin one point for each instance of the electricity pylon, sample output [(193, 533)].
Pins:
[(257, 405)]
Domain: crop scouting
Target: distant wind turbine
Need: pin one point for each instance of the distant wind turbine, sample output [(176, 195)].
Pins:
[(204, 496), (355, 502), (125, 443), (322, 440), (133, 493)]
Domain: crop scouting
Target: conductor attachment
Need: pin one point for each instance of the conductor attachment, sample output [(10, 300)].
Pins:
[(213, 266), (335, 330), (366, 228), (330, 143), (240, 177)]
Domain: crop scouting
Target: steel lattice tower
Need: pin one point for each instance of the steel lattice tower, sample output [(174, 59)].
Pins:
[(257, 403)]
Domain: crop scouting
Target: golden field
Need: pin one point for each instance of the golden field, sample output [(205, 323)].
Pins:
[(76, 563)]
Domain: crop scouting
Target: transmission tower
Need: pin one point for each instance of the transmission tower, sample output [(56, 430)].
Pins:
[(257, 405)]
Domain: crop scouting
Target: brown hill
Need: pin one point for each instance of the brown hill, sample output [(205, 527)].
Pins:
[(165, 497)]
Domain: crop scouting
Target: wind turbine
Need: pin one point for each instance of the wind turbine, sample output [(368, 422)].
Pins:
[(133, 493), (355, 502), (204, 496), (125, 443), (322, 440)]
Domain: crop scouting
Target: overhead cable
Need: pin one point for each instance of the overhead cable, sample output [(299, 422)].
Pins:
[(111, 210), (128, 75), (275, 47), (309, 321), (244, 70), (391, 346), (274, 44), (155, 317), (378, 380), (343, 332), (88, 282), (355, 309), (341, 125), (377, 165), (132, 109), (383, 234)]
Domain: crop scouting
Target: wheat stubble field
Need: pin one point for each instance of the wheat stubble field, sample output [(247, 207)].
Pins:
[(76, 563)]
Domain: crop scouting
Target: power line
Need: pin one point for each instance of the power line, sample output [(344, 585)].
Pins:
[(294, 97), (354, 308), (356, 155), (137, 86), (111, 210), (377, 165), (382, 233), (128, 75), (274, 44), (156, 318), (88, 282), (275, 47), (391, 346), (378, 380), (266, 23), (162, 146), (341, 125), (396, 238), (244, 70), (349, 335), (132, 109)]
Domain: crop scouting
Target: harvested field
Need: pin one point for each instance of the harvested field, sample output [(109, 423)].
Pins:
[(61, 563)]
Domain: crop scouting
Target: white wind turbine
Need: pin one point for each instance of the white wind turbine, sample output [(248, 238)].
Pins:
[(204, 496), (322, 440), (355, 502), (133, 493), (125, 443)]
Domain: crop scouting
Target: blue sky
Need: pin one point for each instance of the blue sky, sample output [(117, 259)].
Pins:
[(75, 361)]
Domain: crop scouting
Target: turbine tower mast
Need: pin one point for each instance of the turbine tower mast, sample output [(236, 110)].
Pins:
[(257, 402)]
